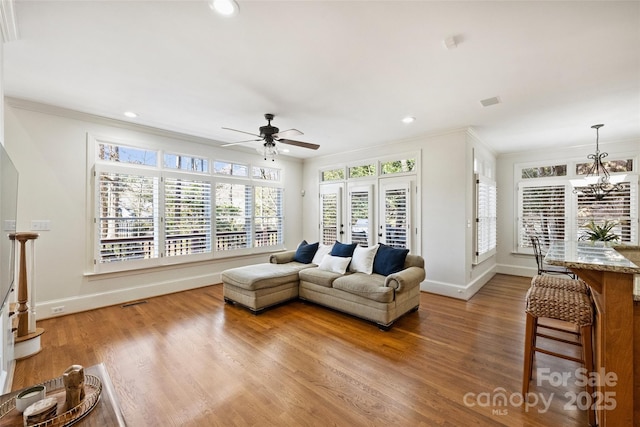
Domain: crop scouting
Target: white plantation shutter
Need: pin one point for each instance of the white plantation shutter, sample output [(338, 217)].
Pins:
[(396, 215), (330, 214), (542, 212), (360, 216), (127, 219), (268, 216), (233, 216), (187, 218), (486, 218), (618, 206)]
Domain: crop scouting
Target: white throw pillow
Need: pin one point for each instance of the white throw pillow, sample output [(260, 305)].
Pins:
[(320, 253), (336, 264), (362, 260)]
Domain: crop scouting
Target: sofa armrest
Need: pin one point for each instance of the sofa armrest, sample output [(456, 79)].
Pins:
[(282, 257), (405, 279)]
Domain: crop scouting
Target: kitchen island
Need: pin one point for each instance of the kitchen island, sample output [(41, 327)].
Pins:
[(610, 274)]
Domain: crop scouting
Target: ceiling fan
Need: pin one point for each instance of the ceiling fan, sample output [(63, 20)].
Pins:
[(270, 135)]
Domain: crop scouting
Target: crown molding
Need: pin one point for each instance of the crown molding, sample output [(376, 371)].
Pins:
[(8, 21)]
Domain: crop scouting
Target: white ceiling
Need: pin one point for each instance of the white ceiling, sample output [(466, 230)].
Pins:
[(343, 72)]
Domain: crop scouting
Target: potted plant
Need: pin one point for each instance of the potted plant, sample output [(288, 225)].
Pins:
[(600, 233)]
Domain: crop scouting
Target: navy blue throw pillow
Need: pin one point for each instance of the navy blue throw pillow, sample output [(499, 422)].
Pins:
[(305, 252), (389, 260), (343, 250)]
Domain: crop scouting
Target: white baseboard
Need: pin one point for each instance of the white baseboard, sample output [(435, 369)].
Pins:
[(119, 296), (457, 291), (516, 270)]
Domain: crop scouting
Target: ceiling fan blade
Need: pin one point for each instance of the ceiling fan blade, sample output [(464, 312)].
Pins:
[(299, 143), (240, 142), (287, 133), (241, 131)]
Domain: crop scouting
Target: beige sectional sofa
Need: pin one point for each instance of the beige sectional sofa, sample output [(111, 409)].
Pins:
[(374, 297)]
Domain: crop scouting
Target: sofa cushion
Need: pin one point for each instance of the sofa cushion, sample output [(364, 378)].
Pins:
[(320, 253), (389, 260), (365, 285), (362, 260), (305, 252), (335, 264), (319, 277), (343, 249), (260, 276)]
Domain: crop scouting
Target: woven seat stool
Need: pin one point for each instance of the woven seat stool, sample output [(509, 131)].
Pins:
[(568, 306), (558, 282)]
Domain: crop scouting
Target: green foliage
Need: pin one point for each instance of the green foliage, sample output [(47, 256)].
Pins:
[(601, 233)]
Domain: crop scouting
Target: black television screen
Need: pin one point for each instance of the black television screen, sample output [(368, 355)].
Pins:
[(8, 217)]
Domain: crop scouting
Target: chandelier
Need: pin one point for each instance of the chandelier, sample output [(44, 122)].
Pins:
[(598, 183)]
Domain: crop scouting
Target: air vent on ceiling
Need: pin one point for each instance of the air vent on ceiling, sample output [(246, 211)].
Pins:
[(490, 101)]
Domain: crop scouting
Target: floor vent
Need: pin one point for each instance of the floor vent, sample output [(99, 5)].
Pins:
[(129, 304)]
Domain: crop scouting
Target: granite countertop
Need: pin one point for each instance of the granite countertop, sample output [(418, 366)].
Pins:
[(591, 256), (596, 256)]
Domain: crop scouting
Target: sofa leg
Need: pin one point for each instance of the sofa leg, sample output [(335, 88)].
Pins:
[(229, 301), (414, 309), (384, 328)]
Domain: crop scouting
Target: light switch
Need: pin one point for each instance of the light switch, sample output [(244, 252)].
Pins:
[(40, 225)]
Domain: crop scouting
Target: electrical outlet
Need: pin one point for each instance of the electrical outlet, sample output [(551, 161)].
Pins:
[(57, 310), (41, 225)]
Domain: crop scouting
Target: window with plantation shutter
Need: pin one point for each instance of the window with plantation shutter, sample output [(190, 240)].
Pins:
[(486, 218), (360, 215), (396, 215), (233, 216), (330, 213), (268, 216), (128, 217), (542, 213), (187, 217), (618, 207)]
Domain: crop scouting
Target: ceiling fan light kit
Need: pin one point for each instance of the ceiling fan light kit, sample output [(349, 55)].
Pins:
[(270, 135)]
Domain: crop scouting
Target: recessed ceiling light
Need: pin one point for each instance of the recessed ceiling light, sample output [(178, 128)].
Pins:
[(224, 7), (408, 119), (285, 150), (130, 114)]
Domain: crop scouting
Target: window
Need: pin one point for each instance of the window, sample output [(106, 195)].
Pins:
[(332, 175), (268, 216), (544, 171), (398, 166), (233, 169), (186, 163), (542, 213), (330, 213), (128, 217), (362, 171), (187, 217), (360, 213), (550, 208), (486, 218), (267, 174), (395, 215), (233, 216), (149, 213), (617, 207)]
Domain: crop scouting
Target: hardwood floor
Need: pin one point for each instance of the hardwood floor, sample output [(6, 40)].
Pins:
[(188, 359)]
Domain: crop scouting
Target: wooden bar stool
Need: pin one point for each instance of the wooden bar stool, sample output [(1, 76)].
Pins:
[(559, 282), (559, 304)]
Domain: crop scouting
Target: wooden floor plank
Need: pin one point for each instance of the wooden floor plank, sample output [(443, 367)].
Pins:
[(189, 359)]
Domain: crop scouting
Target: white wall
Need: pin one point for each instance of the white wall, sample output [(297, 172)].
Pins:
[(446, 196), (524, 265), (48, 147)]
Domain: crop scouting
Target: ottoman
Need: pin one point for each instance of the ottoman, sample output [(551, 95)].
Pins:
[(260, 286)]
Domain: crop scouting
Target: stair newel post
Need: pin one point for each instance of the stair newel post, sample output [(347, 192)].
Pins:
[(23, 286)]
